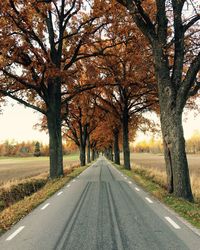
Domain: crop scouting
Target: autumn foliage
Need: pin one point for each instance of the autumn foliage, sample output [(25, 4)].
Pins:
[(93, 68), (41, 43)]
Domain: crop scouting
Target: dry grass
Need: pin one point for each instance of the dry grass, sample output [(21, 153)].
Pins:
[(12, 193), (149, 181), (15, 190), (156, 175), (7, 185), (195, 183), (15, 212), (153, 166)]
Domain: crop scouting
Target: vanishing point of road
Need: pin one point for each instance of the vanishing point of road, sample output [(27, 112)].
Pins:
[(101, 209)]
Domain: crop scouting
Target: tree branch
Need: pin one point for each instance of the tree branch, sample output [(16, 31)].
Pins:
[(191, 22), (9, 94), (188, 82)]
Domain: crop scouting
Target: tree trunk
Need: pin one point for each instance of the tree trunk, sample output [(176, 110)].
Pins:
[(106, 153), (88, 150), (54, 129), (175, 155), (171, 108), (82, 155), (116, 146), (93, 154), (126, 149), (168, 163), (172, 93), (96, 154), (110, 153)]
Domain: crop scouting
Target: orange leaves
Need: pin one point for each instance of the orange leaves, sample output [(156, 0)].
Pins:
[(83, 44)]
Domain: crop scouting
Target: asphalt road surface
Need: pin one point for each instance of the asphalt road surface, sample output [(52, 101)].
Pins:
[(101, 209)]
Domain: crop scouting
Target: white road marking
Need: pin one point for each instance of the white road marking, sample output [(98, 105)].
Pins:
[(130, 182), (137, 189), (59, 193), (125, 178), (149, 200), (122, 175), (78, 177), (176, 226), (45, 206), (73, 180), (15, 233), (68, 185)]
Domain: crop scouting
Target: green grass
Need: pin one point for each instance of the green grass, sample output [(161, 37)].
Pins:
[(188, 210), (7, 159), (72, 157), (15, 212)]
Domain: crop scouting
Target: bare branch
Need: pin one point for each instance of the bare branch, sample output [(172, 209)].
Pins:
[(9, 94), (191, 22)]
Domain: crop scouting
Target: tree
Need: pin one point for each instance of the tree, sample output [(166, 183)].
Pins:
[(81, 120), (116, 133), (127, 69), (40, 43), (37, 152), (102, 138), (108, 134), (170, 31), (193, 143)]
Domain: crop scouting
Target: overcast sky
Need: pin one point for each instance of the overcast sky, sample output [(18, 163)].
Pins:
[(17, 122)]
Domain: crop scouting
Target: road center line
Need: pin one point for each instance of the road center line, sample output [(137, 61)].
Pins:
[(149, 200), (59, 193), (130, 182), (137, 189), (125, 178), (68, 185), (176, 226), (45, 206), (73, 180), (15, 233)]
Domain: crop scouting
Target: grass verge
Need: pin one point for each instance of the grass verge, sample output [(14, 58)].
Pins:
[(188, 210), (17, 211)]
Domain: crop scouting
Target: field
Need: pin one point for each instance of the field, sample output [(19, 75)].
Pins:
[(157, 161), (19, 168), (155, 166)]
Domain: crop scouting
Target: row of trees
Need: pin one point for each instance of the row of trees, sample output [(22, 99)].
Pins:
[(151, 146), (30, 148), (12, 148), (174, 39), (47, 69), (156, 146), (92, 69), (193, 143)]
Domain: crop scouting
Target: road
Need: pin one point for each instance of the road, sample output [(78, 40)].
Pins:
[(100, 209)]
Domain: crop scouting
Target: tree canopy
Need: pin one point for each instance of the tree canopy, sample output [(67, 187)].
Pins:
[(92, 68)]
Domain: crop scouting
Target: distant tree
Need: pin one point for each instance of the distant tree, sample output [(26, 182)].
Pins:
[(193, 143), (151, 146), (37, 151), (81, 120), (102, 138)]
